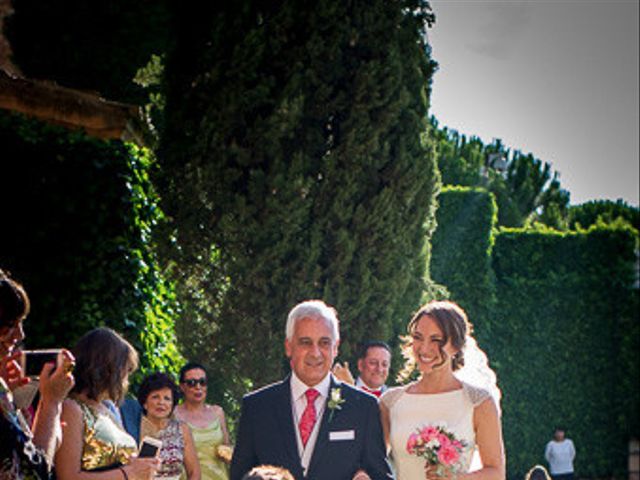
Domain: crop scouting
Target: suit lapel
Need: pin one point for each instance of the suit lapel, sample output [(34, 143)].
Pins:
[(284, 417), (322, 441)]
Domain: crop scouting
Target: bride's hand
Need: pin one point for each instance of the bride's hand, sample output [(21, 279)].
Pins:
[(432, 473)]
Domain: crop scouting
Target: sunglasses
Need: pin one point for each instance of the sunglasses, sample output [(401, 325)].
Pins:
[(192, 382)]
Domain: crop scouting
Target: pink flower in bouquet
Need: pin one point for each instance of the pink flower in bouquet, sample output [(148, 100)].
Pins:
[(428, 433), (448, 455), (445, 442), (412, 443), (439, 448)]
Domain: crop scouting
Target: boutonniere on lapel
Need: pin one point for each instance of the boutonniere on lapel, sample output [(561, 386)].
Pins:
[(335, 401)]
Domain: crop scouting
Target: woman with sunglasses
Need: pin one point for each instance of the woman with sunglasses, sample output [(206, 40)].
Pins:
[(207, 423)]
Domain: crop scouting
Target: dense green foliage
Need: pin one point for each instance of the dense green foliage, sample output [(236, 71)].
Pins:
[(605, 211), (526, 191), (559, 325), (296, 166), (564, 342), (77, 222), (97, 45), (462, 246)]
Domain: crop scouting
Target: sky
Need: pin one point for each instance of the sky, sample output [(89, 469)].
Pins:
[(555, 78)]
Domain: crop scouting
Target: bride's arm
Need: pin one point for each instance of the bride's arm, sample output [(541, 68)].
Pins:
[(486, 420), (384, 419)]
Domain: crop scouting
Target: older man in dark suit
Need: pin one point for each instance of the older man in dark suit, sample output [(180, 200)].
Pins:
[(310, 423)]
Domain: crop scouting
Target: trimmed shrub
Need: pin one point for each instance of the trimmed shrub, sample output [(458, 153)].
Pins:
[(563, 333)]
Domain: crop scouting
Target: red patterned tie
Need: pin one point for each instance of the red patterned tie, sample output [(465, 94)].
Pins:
[(308, 419), (377, 393)]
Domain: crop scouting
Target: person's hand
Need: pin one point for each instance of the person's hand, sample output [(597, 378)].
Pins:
[(444, 473), (343, 373), (11, 371), (142, 468), (56, 382), (361, 475)]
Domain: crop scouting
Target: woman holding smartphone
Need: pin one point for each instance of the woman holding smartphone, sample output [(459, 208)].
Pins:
[(26, 454), (158, 395), (95, 446)]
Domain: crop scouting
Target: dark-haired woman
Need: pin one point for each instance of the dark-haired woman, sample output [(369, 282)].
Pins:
[(206, 421), (158, 395), (439, 336), (95, 446), (23, 454)]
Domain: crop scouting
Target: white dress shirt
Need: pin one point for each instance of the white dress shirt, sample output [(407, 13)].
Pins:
[(360, 384), (298, 404)]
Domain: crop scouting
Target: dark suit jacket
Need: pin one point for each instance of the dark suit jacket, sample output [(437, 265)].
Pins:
[(266, 435)]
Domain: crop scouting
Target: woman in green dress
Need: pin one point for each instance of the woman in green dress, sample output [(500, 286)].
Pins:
[(207, 423)]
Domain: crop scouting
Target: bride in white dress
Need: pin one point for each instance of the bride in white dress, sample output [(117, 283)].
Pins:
[(463, 400)]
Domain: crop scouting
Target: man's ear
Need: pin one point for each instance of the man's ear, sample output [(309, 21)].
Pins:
[(360, 364), (287, 347)]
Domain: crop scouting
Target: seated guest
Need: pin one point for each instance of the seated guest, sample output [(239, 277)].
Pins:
[(158, 396), (268, 472), (94, 444), (373, 364), (24, 454), (207, 423)]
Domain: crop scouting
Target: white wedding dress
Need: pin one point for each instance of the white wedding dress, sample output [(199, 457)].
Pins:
[(410, 411)]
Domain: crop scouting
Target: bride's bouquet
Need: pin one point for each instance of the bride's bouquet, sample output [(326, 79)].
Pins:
[(439, 447)]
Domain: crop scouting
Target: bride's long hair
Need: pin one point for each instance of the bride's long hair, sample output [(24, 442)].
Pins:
[(455, 326), (470, 364)]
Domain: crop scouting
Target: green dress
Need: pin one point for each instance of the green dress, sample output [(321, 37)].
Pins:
[(207, 440)]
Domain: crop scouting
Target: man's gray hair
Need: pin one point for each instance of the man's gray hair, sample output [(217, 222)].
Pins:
[(313, 309)]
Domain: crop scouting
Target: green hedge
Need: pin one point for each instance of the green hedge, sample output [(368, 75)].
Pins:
[(563, 339), (78, 216), (557, 315), (462, 244)]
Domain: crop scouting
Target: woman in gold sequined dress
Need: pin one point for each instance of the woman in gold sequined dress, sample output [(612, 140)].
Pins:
[(94, 445)]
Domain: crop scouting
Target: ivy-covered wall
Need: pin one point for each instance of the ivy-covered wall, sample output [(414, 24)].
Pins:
[(77, 222), (560, 327)]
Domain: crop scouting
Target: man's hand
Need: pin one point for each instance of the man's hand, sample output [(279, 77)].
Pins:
[(343, 373)]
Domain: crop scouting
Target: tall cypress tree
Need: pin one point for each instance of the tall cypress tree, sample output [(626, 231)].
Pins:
[(295, 150)]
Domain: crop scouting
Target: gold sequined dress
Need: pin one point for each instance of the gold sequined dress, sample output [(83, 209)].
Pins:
[(105, 443)]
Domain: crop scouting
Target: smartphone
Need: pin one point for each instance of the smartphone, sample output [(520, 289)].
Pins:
[(149, 447), (34, 360)]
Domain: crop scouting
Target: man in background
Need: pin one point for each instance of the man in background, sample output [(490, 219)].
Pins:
[(373, 365), (560, 453)]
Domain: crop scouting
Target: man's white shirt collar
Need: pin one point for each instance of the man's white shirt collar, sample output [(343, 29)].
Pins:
[(360, 384), (298, 387)]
